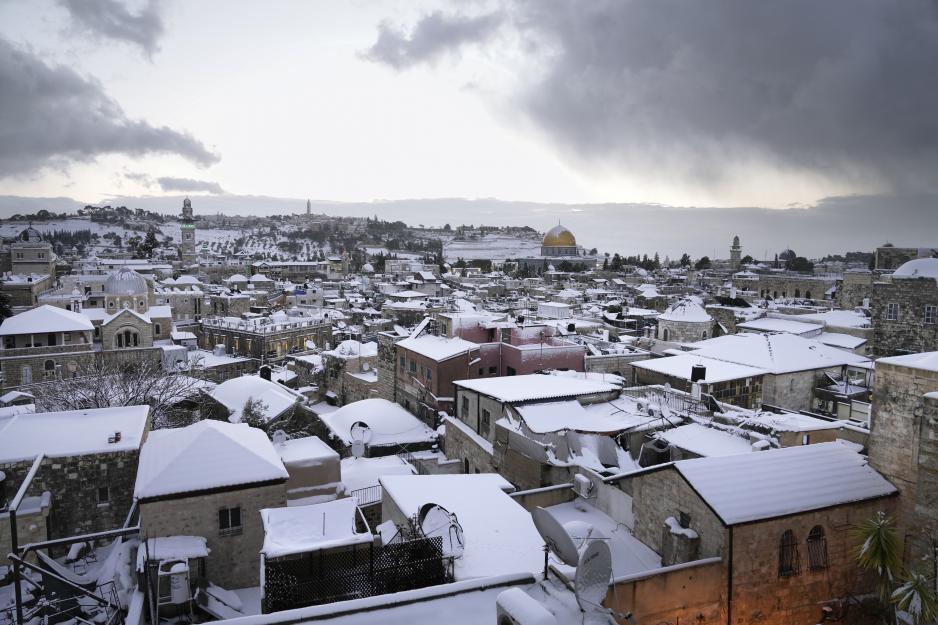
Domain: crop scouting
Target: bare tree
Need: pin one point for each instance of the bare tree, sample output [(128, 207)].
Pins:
[(105, 385)]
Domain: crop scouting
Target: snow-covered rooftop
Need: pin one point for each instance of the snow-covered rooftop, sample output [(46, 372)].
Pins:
[(44, 319), (233, 394), (72, 432), (302, 529), (308, 450), (686, 310), (924, 360), (205, 455), (518, 388), (918, 268), (776, 353), (680, 367), (704, 441), (771, 324), (354, 349), (768, 484), (390, 424), (438, 347), (500, 535)]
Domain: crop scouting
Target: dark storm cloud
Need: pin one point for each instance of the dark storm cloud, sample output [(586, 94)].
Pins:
[(432, 37), (188, 184), (112, 19), (846, 89), (51, 116)]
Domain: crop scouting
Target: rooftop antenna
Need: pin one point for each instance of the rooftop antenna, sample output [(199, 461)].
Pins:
[(593, 572), (556, 538), (361, 435)]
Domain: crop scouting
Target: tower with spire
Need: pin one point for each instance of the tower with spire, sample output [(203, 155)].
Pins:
[(309, 208), (187, 246), (736, 252)]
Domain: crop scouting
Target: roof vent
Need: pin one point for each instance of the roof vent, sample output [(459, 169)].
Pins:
[(116, 438)]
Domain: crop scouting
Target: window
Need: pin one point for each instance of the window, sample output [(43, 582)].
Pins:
[(48, 369), (413, 366), (493, 370), (931, 313), (157, 329), (892, 311), (485, 423), (19, 255), (465, 406), (26, 375), (788, 562), (429, 374), (510, 371), (817, 549), (104, 494), (229, 521)]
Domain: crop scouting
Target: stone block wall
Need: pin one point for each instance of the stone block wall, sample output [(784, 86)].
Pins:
[(908, 333), (234, 561), (684, 331)]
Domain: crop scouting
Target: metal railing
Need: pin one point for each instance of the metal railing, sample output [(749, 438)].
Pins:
[(368, 495)]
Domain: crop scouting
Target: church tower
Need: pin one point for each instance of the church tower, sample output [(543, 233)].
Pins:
[(736, 252), (187, 246)]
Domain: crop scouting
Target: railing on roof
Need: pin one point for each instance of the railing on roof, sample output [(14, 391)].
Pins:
[(368, 495)]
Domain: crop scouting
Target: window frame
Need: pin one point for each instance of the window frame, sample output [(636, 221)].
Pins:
[(226, 521), (789, 562), (931, 311), (892, 311), (816, 544)]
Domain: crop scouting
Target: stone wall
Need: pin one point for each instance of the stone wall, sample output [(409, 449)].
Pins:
[(126, 320), (693, 593), (476, 459), (856, 287), (794, 391), (795, 286), (908, 333), (72, 358), (234, 561), (660, 494), (684, 331), (619, 364)]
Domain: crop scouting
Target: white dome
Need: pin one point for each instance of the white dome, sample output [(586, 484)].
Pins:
[(125, 281), (918, 268), (686, 310)]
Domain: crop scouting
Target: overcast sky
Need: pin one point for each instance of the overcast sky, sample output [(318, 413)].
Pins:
[(722, 103)]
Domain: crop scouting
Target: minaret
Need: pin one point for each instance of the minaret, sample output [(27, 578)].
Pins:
[(735, 254), (187, 246), (309, 208)]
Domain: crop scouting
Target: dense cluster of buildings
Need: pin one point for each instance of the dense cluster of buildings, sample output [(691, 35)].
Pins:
[(344, 440)]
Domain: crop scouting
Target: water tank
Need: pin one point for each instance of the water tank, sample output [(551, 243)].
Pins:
[(219, 350), (698, 373), (179, 583)]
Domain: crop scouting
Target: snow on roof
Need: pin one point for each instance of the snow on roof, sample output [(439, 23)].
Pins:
[(569, 414), (238, 277), (925, 360), (44, 319), (390, 424), (354, 349), (205, 455), (171, 548), (840, 318), (771, 324), (680, 367), (686, 310), (303, 529), (305, 451), (500, 535), (518, 388), (109, 318), (72, 432), (776, 353), (364, 472), (233, 394), (704, 441), (843, 341), (438, 347), (409, 294), (794, 422), (768, 484), (918, 268)]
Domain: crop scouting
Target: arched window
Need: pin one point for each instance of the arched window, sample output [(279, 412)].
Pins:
[(797, 292), (788, 561), (156, 329), (666, 335), (704, 335), (807, 294), (127, 338), (817, 549), (48, 369)]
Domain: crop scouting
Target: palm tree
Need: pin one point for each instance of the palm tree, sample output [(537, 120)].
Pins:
[(879, 551), (916, 598)]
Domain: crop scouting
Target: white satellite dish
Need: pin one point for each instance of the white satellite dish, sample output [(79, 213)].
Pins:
[(360, 435), (665, 410), (435, 520), (279, 437), (556, 537), (366, 366), (593, 572)]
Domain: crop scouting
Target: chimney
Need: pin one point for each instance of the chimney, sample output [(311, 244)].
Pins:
[(219, 350), (698, 373), (265, 373)]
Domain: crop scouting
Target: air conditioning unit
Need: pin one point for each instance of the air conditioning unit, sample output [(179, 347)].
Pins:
[(582, 486), (516, 607)]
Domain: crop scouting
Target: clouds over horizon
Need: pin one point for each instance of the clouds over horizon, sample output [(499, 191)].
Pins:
[(112, 19), (842, 90), (188, 185), (52, 117)]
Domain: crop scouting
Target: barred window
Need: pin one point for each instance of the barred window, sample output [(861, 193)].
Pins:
[(892, 311), (788, 561), (229, 521), (817, 549), (931, 313), (485, 423)]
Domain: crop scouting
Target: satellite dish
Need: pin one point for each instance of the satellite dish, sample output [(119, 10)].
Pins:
[(435, 520), (361, 432), (358, 449), (556, 537), (365, 366), (665, 410), (279, 437), (593, 572)]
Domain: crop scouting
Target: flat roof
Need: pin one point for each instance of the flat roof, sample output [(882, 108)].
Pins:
[(535, 386)]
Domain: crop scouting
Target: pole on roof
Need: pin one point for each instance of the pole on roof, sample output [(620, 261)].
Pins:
[(14, 537)]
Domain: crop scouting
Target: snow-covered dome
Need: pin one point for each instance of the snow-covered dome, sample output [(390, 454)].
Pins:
[(368, 268), (30, 235), (918, 268), (686, 310), (125, 281)]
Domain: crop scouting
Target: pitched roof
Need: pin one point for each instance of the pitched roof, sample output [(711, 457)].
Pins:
[(762, 485), (205, 455), (518, 388), (438, 347), (776, 353), (45, 318)]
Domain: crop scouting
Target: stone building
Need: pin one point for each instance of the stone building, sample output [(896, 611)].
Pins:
[(731, 383), (351, 371), (212, 479), (905, 309), (796, 286), (774, 524), (891, 257), (23, 290), (187, 253), (903, 446), (685, 322), (736, 252), (44, 344), (30, 253), (85, 482), (856, 289), (426, 368), (266, 338)]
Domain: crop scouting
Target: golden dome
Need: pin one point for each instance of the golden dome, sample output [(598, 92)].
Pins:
[(558, 236)]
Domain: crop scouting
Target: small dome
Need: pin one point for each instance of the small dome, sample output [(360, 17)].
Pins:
[(736, 241), (918, 268), (125, 281), (559, 236), (187, 203), (30, 235)]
